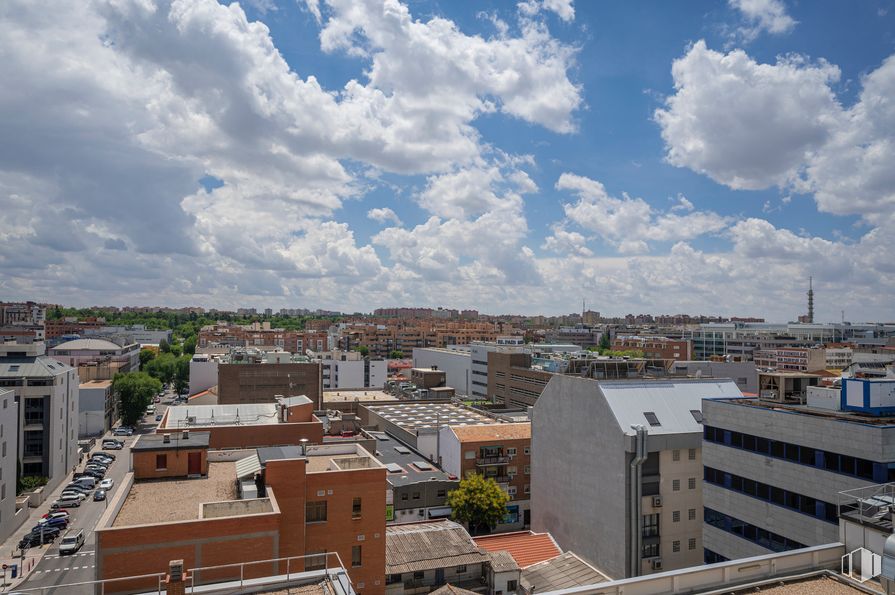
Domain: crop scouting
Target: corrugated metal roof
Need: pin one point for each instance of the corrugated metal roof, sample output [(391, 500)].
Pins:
[(248, 466), (562, 572), (670, 400), (88, 345), (425, 546), (526, 547)]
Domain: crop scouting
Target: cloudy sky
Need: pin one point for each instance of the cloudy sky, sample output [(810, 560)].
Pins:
[(664, 157)]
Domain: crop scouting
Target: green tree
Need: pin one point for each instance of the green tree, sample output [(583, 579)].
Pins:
[(134, 392), (176, 349), (189, 345), (363, 350), (146, 356), (604, 341), (182, 373), (163, 367), (479, 502), (164, 346), (396, 354)]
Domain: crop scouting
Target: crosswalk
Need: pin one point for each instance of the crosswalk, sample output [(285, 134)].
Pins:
[(49, 570)]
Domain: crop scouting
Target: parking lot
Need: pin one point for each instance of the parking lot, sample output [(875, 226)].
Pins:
[(50, 568)]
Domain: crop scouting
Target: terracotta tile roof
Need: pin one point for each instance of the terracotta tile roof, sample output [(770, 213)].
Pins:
[(527, 548), (478, 433)]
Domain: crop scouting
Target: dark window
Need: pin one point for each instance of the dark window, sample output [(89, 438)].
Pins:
[(161, 462), (316, 561), (736, 439), (392, 579), (777, 449), (791, 452), (356, 559), (749, 442), (847, 464), (315, 512), (650, 525), (806, 456), (461, 569), (511, 585), (767, 539), (651, 418), (356, 508), (697, 415), (650, 550)]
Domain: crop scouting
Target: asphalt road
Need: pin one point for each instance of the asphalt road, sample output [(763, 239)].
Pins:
[(53, 569)]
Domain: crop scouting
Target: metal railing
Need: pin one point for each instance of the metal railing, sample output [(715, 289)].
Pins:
[(500, 460)]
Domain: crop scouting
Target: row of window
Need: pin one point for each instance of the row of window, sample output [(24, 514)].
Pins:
[(803, 455), (766, 539), (676, 484), (813, 507), (676, 454), (315, 511), (651, 550)]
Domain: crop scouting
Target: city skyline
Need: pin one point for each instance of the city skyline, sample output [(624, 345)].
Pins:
[(705, 158)]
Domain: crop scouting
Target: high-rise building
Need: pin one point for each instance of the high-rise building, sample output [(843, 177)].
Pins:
[(9, 418), (617, 470)]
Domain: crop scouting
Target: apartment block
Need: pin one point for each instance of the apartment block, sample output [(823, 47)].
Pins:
[(617, 470), (501, 452), (512, 381), (277, 502), (479, 365), (47, 394), (774, 468), (791, 359), (261, 382), (97, 408), (9, 418), (106, 356), (654, 347), (346, 370)]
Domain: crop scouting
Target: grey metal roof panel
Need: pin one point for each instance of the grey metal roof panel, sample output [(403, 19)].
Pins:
[(562, 572), (670, 400), (391, 451), (32, 367), (425, 546)]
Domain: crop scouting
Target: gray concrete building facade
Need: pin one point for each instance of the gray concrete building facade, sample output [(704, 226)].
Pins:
[(617, 470), (773, 471)]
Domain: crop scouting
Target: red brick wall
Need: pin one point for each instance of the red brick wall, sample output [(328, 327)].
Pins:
[(260, 435), (177, 464)]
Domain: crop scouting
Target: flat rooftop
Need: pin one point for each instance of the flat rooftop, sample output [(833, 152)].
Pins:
[(348, 396), (247, 414), (182, 498), (176, 441), (821, 585), (96, 384), (323, 458), (846, 416), (405, 465), (415, 416)]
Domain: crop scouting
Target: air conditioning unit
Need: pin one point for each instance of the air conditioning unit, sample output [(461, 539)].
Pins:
[(657, 501), (657, 563)]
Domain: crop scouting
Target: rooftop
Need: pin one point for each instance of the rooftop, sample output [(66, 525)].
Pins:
[(41, 366), (345, 396), (819, 585), (403, 463), (412, 547), (323, 458), (415, 416), (96, 384), (184, 416), (182, 498), (845, 416), (87, 345), (508, 431), (564, 571), (526, 547), (175, 441)]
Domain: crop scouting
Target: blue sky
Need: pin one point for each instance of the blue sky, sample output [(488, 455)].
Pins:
[(699, 157)]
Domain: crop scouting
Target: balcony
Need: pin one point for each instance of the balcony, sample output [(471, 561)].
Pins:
[(501, 479), (487, 461)]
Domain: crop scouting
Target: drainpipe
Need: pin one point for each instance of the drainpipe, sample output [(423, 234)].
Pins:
[(636, 497)]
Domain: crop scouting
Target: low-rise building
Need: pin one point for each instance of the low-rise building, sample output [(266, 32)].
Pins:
[(97, 408), (654, 347), (744, 374), (512, 381), (456, 364), (111, 358), (278, 502), (501, 452)]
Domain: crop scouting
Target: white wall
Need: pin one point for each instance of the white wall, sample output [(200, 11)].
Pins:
[(203, 375), (9, 418), (451, 457), (91, 411), (455, 364)]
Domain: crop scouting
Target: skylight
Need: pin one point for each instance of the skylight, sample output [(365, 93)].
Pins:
[(651, 418)]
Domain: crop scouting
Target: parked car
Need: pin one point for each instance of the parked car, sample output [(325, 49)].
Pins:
[(91, 473), (72, 542), (59, 514), (52, 523), (158, 417), (49, 533), (34, 539), (101, 457), (106, 484), (95, 463), (108, 455), (86, 481), (122, 432), (99, 496), (71, 494), (76, 487), (96, 468), (113, 445), (66, 503)]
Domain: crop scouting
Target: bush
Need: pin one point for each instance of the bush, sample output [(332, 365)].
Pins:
[(30, 483)]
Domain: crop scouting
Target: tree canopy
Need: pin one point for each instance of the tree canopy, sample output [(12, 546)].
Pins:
[(134, 391), (479, 502), (396, 354)]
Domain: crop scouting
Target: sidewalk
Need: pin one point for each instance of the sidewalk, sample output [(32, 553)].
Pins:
[(34, 555)]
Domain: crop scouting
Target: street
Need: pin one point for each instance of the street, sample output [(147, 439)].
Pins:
[(54, 569)]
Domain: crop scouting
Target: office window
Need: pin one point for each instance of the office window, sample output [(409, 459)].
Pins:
[(675, 455), (675, 546), (441, 493), (511, 452), (392, 579), (691, 543), (691, 483), (461, 569), (356, 508), (691, 454), (676, 516), (161, 462), (315, 511), (649, 550), (404, 496), (650, 525), (416, 495), (527, 469), (356, 559), (691, 514), (676, 485)]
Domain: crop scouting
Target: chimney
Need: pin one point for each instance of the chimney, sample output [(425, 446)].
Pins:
[(167, 439), (304, 446), (186, 434), (175, 583)]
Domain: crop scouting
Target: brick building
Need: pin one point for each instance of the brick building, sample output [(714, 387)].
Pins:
[(654, 347), (260, 383), (291, 501), (501, 452), (512, 381)]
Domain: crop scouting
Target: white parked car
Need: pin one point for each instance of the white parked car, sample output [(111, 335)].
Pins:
[(106, 484), (69, 495), (72, 542)]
